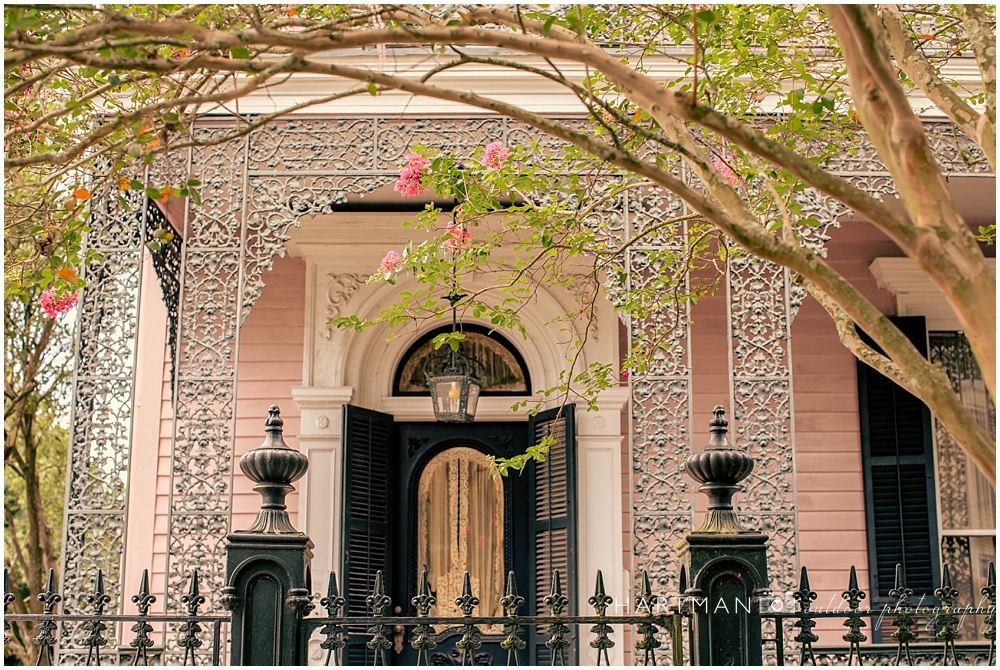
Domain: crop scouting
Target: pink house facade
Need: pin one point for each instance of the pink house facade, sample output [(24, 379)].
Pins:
[(295, 218)]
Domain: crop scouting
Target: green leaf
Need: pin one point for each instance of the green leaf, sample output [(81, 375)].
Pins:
[(152, 193), (372, 88), (240, 52), (548, 26)]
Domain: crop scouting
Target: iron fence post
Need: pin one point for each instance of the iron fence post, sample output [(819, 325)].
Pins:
[(267, 565), (726, 564)]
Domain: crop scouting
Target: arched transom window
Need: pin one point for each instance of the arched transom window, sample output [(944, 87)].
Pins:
[(505, 371)]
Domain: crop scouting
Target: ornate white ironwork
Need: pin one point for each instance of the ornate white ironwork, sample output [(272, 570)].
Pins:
[(102, 409)]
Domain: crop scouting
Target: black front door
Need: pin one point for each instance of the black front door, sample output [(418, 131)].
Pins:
[(421, 496), (454, 515)]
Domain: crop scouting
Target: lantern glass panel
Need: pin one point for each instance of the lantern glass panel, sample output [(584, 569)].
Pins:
[(473, 398), (447, 395)]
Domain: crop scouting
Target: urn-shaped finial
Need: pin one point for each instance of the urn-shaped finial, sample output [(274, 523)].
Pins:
[(273, 466), (719, 467)]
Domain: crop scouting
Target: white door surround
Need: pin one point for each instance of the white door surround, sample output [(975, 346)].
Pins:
[(346, 367)]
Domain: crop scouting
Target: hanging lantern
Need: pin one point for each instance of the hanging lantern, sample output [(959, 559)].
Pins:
[(454, 380)]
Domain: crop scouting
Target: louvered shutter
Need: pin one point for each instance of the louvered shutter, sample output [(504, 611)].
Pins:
[(367, 439), (898, 462), (553, 518)]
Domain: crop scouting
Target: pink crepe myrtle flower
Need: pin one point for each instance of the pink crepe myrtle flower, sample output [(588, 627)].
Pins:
[(726, 172), (408, 184), (392, 263), (460, 237), (55, 306), (495, 155)]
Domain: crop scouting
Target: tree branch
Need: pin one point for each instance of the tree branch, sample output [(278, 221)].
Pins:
[(983, 41), (922, 73)]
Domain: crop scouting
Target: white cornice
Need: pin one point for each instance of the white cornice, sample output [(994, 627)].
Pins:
[(916, 294), (508, 85)]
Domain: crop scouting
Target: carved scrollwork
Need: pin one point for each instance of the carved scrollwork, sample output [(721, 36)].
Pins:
[(339, 289)]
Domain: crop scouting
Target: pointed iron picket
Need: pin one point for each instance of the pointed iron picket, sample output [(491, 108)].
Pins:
[(903, 634), (511, 602), (336, 635), (423, 640), (143, 600), (644, 601), (45, 640), (600, 601), (471, 635), (8, 598), (805, 596), (947, 620), (556, 602), (854, 637), (95, 627), (379, 602), (188, 639)]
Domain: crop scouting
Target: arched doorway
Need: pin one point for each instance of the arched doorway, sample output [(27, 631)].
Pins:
[(420, 495)]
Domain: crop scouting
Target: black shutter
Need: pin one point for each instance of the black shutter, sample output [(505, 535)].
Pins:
[(553, 518), (898, 462), (367, 446)]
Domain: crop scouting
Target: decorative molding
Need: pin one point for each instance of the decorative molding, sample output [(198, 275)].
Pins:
[(339, 289), (916, 294), (322, 397), (418, 408)]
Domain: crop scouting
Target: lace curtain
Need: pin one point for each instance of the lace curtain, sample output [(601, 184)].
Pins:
[(460, 513)]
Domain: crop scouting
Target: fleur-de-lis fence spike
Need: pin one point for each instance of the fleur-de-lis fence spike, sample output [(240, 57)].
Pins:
[(379, 602), (647, 643), (143, 600), (8, 598), (600, 601), (854, 637), (511, 602), (990, 592), (948, 623), (95, 627), (556, 601), (188, 639), (471, 635), (903, 634), (45, 640), (423, 640), (467, 602), (804, 597), (336, 636)]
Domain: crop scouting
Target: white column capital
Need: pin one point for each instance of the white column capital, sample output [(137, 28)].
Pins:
[(606, 421), (320, 407)]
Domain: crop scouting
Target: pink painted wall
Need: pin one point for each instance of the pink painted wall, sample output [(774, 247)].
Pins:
[(832, 534), (270, 364)]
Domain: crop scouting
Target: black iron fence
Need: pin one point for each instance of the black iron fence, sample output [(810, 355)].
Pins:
[(722, 614), (658, 626), (90, 633)]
